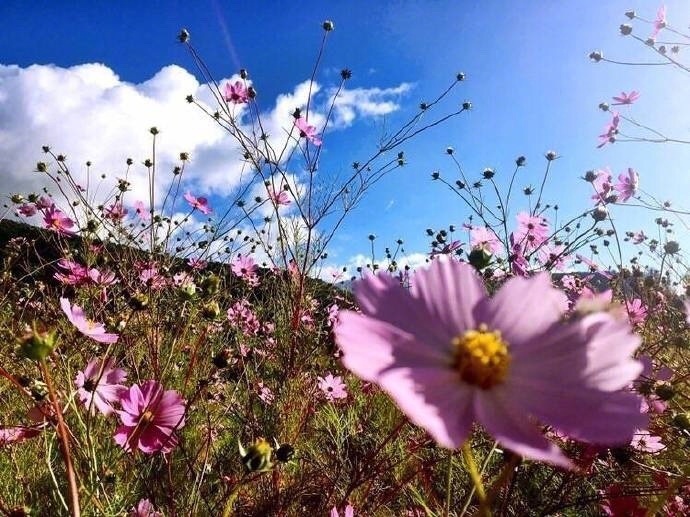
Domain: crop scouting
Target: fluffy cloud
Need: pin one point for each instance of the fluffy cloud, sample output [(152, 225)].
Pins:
[(87, 112)]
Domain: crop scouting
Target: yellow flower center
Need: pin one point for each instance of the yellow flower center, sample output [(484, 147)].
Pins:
[(481, 357)]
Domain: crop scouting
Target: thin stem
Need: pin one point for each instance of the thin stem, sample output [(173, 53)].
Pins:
[(476, 478), (449, 482), (64, 444)]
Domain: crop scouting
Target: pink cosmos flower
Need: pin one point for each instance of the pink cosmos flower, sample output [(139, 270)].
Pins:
[(449, 356), (149, 416), (153, 278), (552, 256), (280, 198), (659, 22), (196, 263), (533, 230), (626, 98), (639, 237), (92, 329), (100, 389), (603, 186), (56, 220), (333, 388), (236, 93), (243, 265), (485, 239), (199, 203), (28, 209), (76, 274), (265, 393), (637, 311), (116, 212), (349, 512), (644, 441), (144, 509), (610, 131), (142, 211), (307, 131), (17, 434), (627, 185)]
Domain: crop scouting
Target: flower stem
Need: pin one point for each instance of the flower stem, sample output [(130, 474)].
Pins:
[(476, 478), (64, 444), (449, 481)]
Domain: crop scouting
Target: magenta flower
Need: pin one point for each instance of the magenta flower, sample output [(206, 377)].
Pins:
[(485, 239), (236, 93), (639, 237), (144, 509), (149, 416), (626, 98), (644, 441), (333, 388), (92, 329), (56, 220), (603, 186), (100, 389), (116, 212), (199, 203), (449, 356), (75, 273), (627, 185), (307, 131)]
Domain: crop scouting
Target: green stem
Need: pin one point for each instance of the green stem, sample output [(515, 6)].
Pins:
[(449, 481), (476, 478)]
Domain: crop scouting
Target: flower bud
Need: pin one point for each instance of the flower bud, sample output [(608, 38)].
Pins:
[(682, 421), (488, 173), (467, 105), (630, 14), (600, 213), (41, 167), (183, 36), (626, 29), (671, 247), (551, 155), (211, 284), (520, 161), (37, 344), (596, 56), (590, 176), (328, 26), (460, 76), (479, 258), (243, 73)]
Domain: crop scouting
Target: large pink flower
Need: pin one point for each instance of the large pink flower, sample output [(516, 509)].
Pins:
[(236, 93), (149, 416), (92, 329), (56, 220), (627, 185), (100, 389), (449, 356)]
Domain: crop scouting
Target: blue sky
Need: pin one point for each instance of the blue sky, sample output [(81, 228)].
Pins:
[(528, 77)]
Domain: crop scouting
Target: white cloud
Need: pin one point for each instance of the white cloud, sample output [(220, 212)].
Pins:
[(88, 113)]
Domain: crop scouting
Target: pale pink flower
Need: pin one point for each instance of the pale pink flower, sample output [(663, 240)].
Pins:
[(279, 198), (533, 230), (627, 185), (241, 316), (637, 311), (92, 329), (639, 237), (144, 508), (100, 389), (349, 512), (449, 356), (333, 388), (603, 186), (644, 441), (307, 131), (236, 93), (196, 263), (659, 22), (485, 239), (199, 203), (56, 220), (265, 393), (16, 434), (44, 203), (150, 416), (153, 278), (610, 131), (552, 256), (243, 266), (447, 249), (142, 211), (626, 98)]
